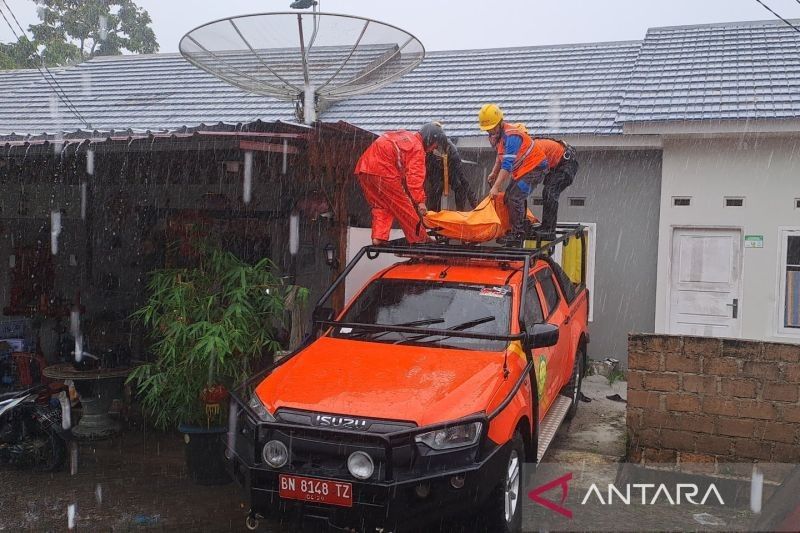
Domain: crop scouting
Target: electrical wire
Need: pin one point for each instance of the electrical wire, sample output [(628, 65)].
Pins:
[(52, 82), (795, 28)]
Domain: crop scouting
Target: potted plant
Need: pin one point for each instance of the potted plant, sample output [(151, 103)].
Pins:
[(209, 324)]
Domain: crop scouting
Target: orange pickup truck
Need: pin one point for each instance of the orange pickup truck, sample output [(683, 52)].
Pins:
[(424, 396)]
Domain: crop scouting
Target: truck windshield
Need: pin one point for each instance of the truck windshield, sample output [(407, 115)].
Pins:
[(429, 304)]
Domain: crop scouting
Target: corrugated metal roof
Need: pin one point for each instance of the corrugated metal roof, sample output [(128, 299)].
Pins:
[(736, 70), (161, 92)]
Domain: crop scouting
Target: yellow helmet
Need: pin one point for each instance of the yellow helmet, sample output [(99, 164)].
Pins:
[(489, 116)]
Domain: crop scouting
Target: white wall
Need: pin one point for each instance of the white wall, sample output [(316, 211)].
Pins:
[(765, 170)]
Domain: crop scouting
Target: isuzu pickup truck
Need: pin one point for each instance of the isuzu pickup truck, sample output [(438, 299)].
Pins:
[(424, 396)]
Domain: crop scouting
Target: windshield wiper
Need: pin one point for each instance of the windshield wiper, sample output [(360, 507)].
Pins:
[(458, 327), (423, 322)]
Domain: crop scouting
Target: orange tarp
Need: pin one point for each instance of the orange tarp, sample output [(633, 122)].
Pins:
[(488, 221)]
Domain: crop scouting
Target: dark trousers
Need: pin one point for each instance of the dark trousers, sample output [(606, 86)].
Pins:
[(555, 182), (516, 198)]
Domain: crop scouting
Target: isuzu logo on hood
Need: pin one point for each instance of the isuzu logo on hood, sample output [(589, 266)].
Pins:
[(342, 422)]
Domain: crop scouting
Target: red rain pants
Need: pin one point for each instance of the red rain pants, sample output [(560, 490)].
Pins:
[(389, 201)]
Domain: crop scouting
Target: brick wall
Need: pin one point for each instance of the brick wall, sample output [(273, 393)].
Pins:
[(704, 400)]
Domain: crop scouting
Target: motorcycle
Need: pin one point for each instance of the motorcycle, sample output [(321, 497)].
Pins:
[(34, 429)]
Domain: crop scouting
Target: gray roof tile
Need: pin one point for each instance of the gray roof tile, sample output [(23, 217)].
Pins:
[(737, 70)]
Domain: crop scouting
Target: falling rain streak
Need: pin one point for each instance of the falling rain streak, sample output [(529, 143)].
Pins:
[(248, 177), (55, 231)]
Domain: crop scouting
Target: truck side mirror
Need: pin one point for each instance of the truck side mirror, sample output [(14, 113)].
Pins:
[(323, 313), (542, 336)]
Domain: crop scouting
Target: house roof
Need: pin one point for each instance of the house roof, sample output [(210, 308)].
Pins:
[(736, 70), (569, 89), (743, 70)]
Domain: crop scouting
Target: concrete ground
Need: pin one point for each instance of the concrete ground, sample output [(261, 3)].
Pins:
[(137, 481)]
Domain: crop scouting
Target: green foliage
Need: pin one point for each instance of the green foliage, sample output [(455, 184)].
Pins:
[(616, 375), (209, 324), (77, 30)]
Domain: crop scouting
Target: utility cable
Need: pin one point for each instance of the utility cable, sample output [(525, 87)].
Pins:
[(795, 28), (62, 95)]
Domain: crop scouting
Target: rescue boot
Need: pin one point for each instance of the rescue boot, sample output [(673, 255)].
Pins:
[(511, 239)]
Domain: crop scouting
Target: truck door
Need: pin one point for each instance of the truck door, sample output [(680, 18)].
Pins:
[(559, 366), (541, 356)]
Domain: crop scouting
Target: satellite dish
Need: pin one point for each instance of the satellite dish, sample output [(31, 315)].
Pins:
[(311, 58)]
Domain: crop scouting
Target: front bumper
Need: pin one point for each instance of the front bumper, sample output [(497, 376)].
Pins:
[(390, 501)]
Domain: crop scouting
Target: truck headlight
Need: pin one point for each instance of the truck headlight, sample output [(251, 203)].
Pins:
[(451, 437), (275, 454), (257, 406), (360, 465)]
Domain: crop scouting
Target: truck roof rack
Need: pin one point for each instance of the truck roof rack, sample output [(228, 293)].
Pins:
[(532, 248)]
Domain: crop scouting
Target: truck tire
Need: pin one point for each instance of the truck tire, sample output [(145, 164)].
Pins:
[(573, 388), (503, 511)]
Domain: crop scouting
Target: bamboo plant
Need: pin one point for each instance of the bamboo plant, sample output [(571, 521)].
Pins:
[(208, 324)]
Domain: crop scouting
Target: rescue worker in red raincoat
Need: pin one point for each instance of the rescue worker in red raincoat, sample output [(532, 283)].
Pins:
[(520, 161), (392, 175)]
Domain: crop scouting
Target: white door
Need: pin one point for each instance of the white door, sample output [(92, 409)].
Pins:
[(705, 298)]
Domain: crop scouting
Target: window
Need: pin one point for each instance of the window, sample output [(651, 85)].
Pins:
[(433, 305), (681, 201), (577, 201), (551, 296), (533, 307), (734, 202), (797, 203), (789, 275)]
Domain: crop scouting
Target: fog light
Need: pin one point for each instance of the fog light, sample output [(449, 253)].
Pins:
[(457, 482), (360, 465), (422, 491), (275, 454)]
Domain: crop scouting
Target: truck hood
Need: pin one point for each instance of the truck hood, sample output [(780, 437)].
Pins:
[(375, 380)]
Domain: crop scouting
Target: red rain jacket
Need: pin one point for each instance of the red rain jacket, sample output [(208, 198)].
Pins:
[(391, 151)]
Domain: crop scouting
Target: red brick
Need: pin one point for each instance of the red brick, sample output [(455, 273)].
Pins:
[(752, 449), (720, 367), (790, 413), (761, 370), (644, 361), (714, 444), (683, 402), (636, 342), (644, 399), (706, 346), (697, 462), (659, 456), (656, 419), (677, 440), (739, 388), (701, 384), (647, 437), (791, 373), (781, 392), (778, 432), (789, 353), (747, 350), (785, 453), (662, 382), (756, 409), (735, 427), (676, 362), (633, 418), (717, 406), (635, 380), (672, 344), (634, 455), (693, 422)]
